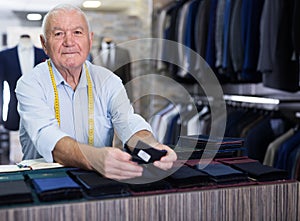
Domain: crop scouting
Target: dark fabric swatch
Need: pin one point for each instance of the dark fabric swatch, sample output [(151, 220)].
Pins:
[(221, 173), (255, 169), (96, 185), (14, 192), (261, 172), (56, 188), (188, 177)]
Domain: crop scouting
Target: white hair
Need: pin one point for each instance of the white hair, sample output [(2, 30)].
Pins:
[(59, 8)]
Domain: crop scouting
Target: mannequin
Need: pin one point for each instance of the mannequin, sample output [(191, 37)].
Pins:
[(108, 47), (26, 53), (116, 59), (14, 62), (25, 41)]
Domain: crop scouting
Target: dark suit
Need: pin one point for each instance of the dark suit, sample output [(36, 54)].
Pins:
[(296, 26), (10, 71), (121, 65), (285, 70)]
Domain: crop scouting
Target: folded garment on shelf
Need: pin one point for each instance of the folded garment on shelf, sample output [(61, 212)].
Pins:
[(56, 188), (14, 191), (255, 169), (184, 153), (221, 173), (203, 146), (95, 185), (186, 176), (202, 141)]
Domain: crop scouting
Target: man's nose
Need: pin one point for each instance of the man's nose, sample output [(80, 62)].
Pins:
[(69, 39)]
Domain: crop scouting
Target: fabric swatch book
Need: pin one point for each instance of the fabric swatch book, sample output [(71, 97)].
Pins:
[(34, 164)]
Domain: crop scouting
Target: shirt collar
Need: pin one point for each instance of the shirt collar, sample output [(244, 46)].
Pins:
[(60, 80)]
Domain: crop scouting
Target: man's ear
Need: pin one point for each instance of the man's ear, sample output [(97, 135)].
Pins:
[(43, 43)]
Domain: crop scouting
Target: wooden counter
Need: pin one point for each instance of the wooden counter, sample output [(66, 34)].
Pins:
[(257, 202)]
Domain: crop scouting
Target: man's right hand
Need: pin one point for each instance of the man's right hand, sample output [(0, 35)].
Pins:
[(111, 162)]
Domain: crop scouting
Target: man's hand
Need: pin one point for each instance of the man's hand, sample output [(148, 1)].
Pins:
[(114, 163), (166, 162), (110, 162)]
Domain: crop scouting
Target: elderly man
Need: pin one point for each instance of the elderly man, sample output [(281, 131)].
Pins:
[(70, 108)]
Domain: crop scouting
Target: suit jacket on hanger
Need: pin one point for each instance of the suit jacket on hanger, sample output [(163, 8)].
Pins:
[(10, 71), (285, 70), (120, 65)]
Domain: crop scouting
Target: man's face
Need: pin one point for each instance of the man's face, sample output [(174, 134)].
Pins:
[(68, 40)]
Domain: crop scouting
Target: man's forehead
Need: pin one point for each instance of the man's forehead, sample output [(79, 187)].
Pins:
[(61, 17), (65, 23), (65, 28)]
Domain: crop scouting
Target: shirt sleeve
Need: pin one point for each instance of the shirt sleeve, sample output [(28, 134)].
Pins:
[(37, 115)]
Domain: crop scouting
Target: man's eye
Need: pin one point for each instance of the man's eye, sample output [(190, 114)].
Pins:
[(78, 32), (58, 34)]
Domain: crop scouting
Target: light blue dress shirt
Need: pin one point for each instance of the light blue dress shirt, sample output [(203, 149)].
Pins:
[(39, 129)]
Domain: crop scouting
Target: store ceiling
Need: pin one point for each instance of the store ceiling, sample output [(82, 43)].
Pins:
[(22, 6), (45, 5), (33, 5), (12, 9)]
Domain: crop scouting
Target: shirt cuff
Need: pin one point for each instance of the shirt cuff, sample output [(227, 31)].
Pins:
[(48, 139), (141, 126)]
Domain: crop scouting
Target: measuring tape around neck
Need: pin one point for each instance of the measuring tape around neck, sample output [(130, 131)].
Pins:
[(90, 102)]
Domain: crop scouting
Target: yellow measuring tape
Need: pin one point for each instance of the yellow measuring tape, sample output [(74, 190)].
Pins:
[(90, 102)]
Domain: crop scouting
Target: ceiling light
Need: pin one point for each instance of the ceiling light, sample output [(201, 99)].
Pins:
[(34, 17), (91, 4), (250, 99)]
